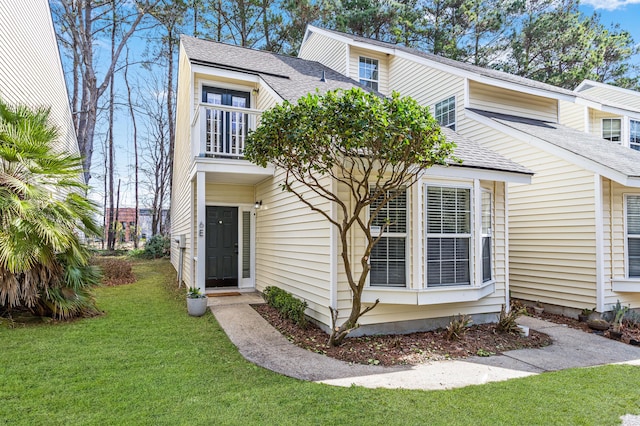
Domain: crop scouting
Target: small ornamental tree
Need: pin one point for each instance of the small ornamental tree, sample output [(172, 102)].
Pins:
[(373, 146)]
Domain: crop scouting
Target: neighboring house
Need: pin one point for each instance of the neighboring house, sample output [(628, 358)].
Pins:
[(234, 227), (127, 220), (30, 68), (574, 232)]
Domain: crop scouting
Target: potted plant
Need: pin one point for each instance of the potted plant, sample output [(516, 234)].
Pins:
[(538, 308), (584, 315), (196, 302), (618, 312)]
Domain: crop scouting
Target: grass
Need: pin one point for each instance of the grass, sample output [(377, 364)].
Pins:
[(147, 362)]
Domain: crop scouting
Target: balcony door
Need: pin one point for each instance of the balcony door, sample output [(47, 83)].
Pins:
[(226, 130), (222, 247)]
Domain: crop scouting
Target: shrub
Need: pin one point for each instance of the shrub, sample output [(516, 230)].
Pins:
[(115, 271), (286, 304), (458, 327), (157, 246), (507, 321)]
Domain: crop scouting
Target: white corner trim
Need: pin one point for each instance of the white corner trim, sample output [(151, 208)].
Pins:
[(507, 255), (333, 256), (599, 219)]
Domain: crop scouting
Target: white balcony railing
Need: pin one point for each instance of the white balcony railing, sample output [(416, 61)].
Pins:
[(220, 131)]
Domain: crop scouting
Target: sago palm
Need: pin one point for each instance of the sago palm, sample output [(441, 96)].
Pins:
[(43, 265)]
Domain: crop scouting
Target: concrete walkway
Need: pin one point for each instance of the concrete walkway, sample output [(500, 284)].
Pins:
[(261, 344)]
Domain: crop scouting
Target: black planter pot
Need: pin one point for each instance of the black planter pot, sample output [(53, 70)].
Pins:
[(583, 318)]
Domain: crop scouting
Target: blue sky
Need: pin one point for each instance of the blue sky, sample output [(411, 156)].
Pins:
[(623, 12)]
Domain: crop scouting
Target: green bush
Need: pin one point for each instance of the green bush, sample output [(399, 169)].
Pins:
[(286, 304), (157, 246)]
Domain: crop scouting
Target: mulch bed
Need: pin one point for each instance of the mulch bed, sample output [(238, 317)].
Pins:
[(414, 348)]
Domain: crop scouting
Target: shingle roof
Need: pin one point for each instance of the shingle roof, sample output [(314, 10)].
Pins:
[(476, 156), (293, 78), (615, 157), (485, 72), (290, 77)]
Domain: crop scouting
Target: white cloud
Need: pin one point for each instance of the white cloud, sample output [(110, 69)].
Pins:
[(609, 4)]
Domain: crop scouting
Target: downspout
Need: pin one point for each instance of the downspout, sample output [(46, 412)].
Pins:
[(507, 290)]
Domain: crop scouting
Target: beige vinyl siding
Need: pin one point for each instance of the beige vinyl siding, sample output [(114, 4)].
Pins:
[(265, 100), (595, 121), (614, 236), (328, 51), (383, 63), (574, 116), (384, 312), (551, 224), (616, 96), (181, 203), (497, 99), (425, 84), (226, 194), (30, 69), (293, 246)]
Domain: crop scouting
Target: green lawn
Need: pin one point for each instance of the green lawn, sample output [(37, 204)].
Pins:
[(147, 362)]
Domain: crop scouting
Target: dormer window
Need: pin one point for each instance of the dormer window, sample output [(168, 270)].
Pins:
[(612, 129), (368, 72), (634, 134), (446, 113)]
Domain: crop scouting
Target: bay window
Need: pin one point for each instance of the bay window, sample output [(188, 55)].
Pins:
[(388, 258), (633, 235), (448, 251)]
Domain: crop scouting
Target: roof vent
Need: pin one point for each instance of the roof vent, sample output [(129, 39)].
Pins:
[(323, 79)]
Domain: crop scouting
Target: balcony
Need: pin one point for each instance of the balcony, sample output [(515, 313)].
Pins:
[(218, 136), (220, 131)]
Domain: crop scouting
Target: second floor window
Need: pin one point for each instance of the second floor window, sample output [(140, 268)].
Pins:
[(634, 134), (612, 129), (368, 72), (446, 113)]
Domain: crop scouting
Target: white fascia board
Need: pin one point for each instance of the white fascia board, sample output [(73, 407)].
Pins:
[(213, 71), (578, 160), (605, 86), (477, 173), (602, 106), (329, 34)]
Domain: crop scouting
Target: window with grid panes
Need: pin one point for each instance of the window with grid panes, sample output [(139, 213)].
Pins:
[(633, 236), (388, 257), (634, 134), (368, 72), (486, 236), (612, 129), (446, 113), (448, 234)]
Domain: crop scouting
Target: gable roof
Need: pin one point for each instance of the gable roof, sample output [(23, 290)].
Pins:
[(290, 77), (486, 75), (610, 159)]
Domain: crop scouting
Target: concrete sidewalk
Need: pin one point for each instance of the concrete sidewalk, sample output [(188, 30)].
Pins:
[(261, 344)]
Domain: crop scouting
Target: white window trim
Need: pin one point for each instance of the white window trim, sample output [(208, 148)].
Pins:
[(621, 141), (472, 239), (628, 139), (455, 111), (377, 61), (627, 265), (407, 246), (489, 235)]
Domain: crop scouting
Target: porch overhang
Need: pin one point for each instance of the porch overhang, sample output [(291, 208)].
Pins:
[(231, 171)]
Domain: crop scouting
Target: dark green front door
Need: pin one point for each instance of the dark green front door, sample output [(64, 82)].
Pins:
[(222, 246)]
